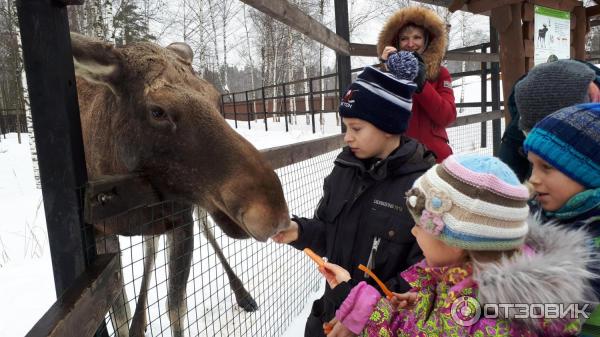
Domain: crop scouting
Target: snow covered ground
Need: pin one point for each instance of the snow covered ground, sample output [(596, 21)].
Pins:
[(27, 286)]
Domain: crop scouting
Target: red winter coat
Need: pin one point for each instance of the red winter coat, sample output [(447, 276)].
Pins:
[(433, 110)]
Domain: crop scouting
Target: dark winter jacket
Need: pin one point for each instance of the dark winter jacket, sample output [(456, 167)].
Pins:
[(362, 215), (511, 148), (433, 108)]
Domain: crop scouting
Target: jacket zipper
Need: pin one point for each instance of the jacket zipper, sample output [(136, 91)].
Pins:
[(371, 262)]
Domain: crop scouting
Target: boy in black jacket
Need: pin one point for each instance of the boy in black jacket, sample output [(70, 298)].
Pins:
[(362, 217)]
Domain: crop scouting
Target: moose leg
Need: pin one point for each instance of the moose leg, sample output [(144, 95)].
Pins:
[(138, 325), (180, 243), (119, 312), (242, 296)]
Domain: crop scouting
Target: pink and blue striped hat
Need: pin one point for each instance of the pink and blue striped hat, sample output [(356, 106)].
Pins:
[(472, 201)]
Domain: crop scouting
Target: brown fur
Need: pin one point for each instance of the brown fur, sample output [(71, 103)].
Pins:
[(188, 153), (426, 18)]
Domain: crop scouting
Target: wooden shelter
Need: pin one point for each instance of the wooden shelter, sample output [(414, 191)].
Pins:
[(514, 22)]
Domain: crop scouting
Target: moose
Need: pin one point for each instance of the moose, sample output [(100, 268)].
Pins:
[(542, 36), (145, 110)]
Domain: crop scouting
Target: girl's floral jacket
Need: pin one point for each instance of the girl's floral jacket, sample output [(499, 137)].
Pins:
[(551, 269)]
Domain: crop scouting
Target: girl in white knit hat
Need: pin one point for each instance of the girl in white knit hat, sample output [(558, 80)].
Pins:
[(481, 251)]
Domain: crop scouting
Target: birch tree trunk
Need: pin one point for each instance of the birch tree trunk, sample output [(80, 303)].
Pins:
[(249, 50), (211, 11), (23, 93)]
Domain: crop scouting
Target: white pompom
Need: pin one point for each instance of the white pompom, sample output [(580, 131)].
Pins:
[(412, 200)]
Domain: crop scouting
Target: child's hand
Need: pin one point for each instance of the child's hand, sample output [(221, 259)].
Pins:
[(336, 329), (405, 300), (334, 274)]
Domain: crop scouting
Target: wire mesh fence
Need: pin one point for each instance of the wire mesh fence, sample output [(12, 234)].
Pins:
[(279, 278)]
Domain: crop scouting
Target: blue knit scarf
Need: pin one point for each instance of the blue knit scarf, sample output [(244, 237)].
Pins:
[(579, 204)]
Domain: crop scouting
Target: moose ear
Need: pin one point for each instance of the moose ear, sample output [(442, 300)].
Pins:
[(95, 61), (183, 50)]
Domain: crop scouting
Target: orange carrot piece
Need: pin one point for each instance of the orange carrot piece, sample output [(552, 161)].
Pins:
[(386, 291), (327, 328), (318, 260)]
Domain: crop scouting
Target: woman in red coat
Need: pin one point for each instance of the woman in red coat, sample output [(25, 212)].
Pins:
[(421, 30)]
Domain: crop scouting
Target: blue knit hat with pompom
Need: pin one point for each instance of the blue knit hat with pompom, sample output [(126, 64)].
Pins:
[(403, 65)]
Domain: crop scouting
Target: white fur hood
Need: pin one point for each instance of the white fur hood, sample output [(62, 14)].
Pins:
[(556, 273)]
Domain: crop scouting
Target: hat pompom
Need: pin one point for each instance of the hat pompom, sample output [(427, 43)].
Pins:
[(404, 65)]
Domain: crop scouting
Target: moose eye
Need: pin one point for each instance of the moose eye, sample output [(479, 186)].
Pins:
[(157, 113)]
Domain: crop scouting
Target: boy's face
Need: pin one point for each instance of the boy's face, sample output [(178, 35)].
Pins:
[(553, 188), (436, 252), (367, 141)]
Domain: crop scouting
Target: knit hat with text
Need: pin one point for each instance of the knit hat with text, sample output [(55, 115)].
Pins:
[(382, 99)]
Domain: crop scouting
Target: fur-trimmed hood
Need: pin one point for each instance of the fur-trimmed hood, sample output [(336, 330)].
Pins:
[(438, 38), (556, 272)]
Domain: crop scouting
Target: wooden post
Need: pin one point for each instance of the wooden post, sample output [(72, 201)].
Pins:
[(285, 111), (247, 109), (264, 101), (581, 29), (495, 88), (507, 21), (483, 99), (57, 127), (234, 110), (342, 28)]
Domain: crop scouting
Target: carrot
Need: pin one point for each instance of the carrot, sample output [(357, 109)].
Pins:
[(318, 260), (386, 291), (327, 327)]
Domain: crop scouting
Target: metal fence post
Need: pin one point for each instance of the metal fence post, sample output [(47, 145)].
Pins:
[(483, 99), (285, 112), (223, 107), (312, 103), (264, 107), (247, 109), (234, 110), (495, 70)]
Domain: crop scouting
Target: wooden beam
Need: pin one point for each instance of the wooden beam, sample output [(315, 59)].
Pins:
[(592, 11), (358, 49), (447, 4), (479, 6), (361, 49), (283, 11), (290, 154), (477, 118), (456, 5), (471, 57), (82, 307)]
